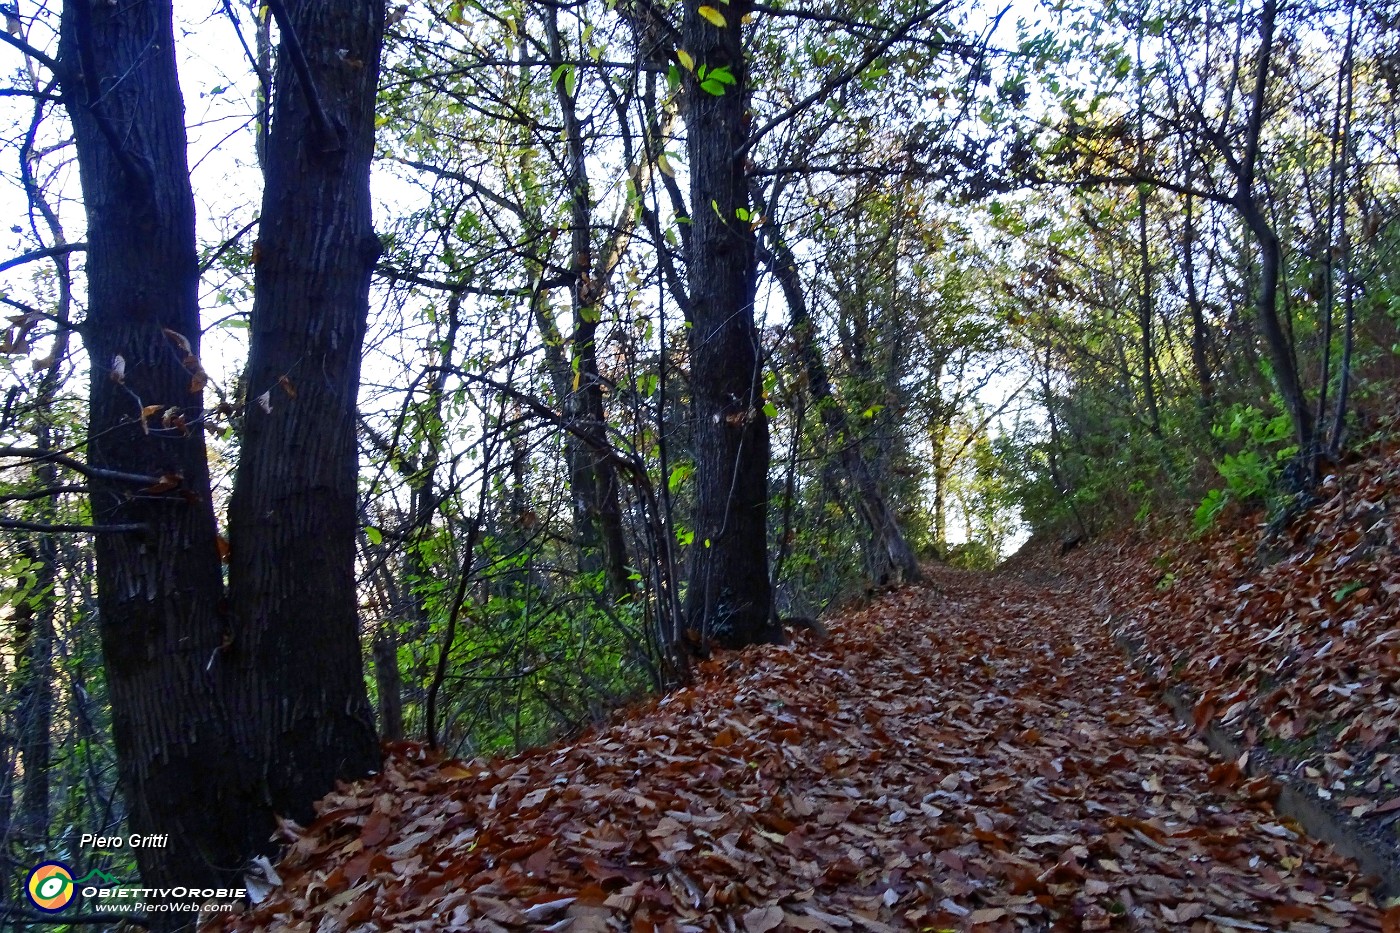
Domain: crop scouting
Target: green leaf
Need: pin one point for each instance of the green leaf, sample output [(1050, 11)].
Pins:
[(770, 409), (374, 535), (1346, 589)]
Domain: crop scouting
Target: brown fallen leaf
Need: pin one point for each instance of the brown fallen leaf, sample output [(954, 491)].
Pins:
[(763, 919)]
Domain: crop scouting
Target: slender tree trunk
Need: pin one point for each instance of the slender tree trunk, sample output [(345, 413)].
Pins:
[(729, 599), (1145, 318), (1281, 355), (159, 588), (1200, 334), (593, 481), (892, 558), (294, 515), (34, 631)]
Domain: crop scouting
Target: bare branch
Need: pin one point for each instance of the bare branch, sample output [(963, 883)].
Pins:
[(36, 454), (48, 252), (10, 524), (51, 64)]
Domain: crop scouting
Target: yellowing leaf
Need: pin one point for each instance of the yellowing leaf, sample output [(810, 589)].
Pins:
[(712, 16), (685, 58)]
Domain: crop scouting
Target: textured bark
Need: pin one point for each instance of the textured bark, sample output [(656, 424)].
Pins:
[(293, 516), (230, 707), (158, 591), (729, 597)]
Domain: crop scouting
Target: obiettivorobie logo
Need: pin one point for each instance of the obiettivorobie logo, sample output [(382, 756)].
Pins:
[(51, 888)]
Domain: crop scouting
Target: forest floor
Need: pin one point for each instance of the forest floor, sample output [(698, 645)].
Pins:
[(978, 754)]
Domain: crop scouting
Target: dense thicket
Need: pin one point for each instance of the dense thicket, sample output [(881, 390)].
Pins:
[(682, 318)]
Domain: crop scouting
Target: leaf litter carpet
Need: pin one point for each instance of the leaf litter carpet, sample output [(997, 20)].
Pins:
[(972, 756)]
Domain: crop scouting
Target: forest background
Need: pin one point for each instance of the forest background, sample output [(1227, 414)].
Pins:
[(657, 316)]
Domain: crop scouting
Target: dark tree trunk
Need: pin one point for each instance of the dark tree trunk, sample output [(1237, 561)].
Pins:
[(159, 588), (1200, 333), (293, 516), (892, 558), (226, 708), (729, 598), (34, 648), (1145, 316), (1281, 355)]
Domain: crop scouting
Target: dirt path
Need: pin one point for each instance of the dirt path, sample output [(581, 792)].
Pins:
[(980, 758)]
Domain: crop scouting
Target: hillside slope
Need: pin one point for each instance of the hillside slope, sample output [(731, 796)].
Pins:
[(980, 758)]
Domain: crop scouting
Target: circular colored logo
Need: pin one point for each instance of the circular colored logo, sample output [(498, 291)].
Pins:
[(50, 886)]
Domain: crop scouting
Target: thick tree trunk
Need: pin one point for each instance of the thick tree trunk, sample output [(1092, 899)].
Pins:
[(293, 515), (226, 709), (729, 598), (159, 588)]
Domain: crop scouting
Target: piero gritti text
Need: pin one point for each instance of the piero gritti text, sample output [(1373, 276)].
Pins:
[(134, 841)]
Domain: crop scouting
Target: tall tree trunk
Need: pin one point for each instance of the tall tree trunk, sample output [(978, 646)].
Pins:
[(892, 558), (159, 587), (1281, 355), (593, 480), (1145, 316), (34, 637), (729, 599), (1200, 334), (294, 511), (226, 708)]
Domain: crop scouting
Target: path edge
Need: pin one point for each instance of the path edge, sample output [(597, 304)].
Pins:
[(1297, 799)]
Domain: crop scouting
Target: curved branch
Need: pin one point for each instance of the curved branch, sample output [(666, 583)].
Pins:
[(35, 255)]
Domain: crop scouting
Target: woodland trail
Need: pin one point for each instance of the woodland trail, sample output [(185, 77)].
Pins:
[(972, 756)]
